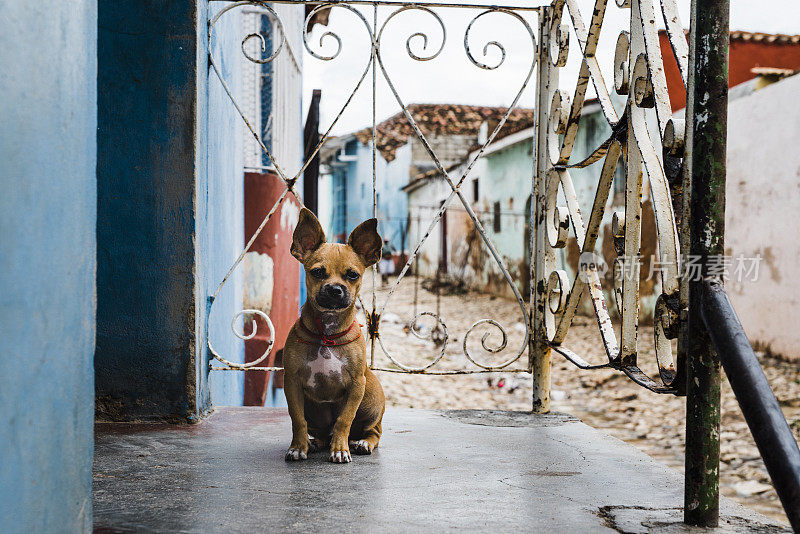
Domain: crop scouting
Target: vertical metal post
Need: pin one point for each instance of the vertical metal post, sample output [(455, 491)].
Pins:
[(373, 317), (686, 188), (311, 140), (543, 260), (709, 85), (633, 209)]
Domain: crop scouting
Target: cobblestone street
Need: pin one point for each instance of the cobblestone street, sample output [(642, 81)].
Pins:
[(604, 399)]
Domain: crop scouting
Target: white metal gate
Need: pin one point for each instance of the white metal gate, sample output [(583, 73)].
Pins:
[(548, 310)]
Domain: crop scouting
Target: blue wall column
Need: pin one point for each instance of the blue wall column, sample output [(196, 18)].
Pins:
[(170, 209), (47, 264), (147, 185)]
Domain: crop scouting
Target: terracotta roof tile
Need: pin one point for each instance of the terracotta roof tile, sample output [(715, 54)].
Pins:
[(442, 119), (758, 37)]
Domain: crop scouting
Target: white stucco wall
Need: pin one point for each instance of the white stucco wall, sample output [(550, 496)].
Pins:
[(763, 200), (423, 203)]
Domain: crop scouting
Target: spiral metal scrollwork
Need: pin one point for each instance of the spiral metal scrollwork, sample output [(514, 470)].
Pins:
[(491, 44), (638, 75), (289, 181), (455, 186), (241, 335)]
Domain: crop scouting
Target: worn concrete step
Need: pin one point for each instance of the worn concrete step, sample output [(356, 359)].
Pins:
[(465, 470)]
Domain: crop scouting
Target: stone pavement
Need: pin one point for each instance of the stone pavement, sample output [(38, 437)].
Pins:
[(460, 470)]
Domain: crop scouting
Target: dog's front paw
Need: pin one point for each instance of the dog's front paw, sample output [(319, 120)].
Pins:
[(361, 446), (340, 457), (340, 453), (295, 453)]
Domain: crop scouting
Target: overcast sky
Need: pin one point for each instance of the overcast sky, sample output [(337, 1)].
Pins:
[(451, 77)]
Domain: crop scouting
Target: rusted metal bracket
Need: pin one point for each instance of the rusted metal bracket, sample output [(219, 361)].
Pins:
[(373, 324)]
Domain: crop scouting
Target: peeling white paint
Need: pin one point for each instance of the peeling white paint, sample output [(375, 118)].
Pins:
[(708, 235), (259, 281), (290, 213)]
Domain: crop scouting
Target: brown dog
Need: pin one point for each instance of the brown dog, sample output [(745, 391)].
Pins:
[(331, 393)]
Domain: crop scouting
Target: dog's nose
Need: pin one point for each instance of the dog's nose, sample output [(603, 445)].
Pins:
[(333, 296), (335, 291)]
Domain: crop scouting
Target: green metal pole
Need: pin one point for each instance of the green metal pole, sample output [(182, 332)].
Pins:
[(709, 87)]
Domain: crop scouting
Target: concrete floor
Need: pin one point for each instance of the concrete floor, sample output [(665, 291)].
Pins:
[(466, 470)]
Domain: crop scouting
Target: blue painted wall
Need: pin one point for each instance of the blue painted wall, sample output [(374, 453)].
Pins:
[(221, 210), (170, 210), (508, 181), (352, 192), (392, 201), (47, 264), (147, 93)]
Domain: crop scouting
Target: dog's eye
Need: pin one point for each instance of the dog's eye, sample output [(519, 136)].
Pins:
[(318, 272), (352, 275)]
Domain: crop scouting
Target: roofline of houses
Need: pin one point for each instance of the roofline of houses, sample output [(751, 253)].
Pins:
[(591, 106), (756, 37)]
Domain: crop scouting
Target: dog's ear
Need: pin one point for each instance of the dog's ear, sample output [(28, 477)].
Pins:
[(308, 235), (366, 241)]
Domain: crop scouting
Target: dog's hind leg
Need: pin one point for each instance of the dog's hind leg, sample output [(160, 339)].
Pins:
[(316, 444), (369, 440), (320, 425)]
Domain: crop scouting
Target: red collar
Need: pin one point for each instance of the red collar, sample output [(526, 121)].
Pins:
[(325, 340)]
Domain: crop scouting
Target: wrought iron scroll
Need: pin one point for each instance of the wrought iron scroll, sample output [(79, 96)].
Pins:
[(639, 78), (417, 48)]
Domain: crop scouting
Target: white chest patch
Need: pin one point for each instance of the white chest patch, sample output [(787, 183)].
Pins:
[(325, 364)]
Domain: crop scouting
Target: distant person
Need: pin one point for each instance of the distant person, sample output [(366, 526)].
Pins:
[(386, 264)]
